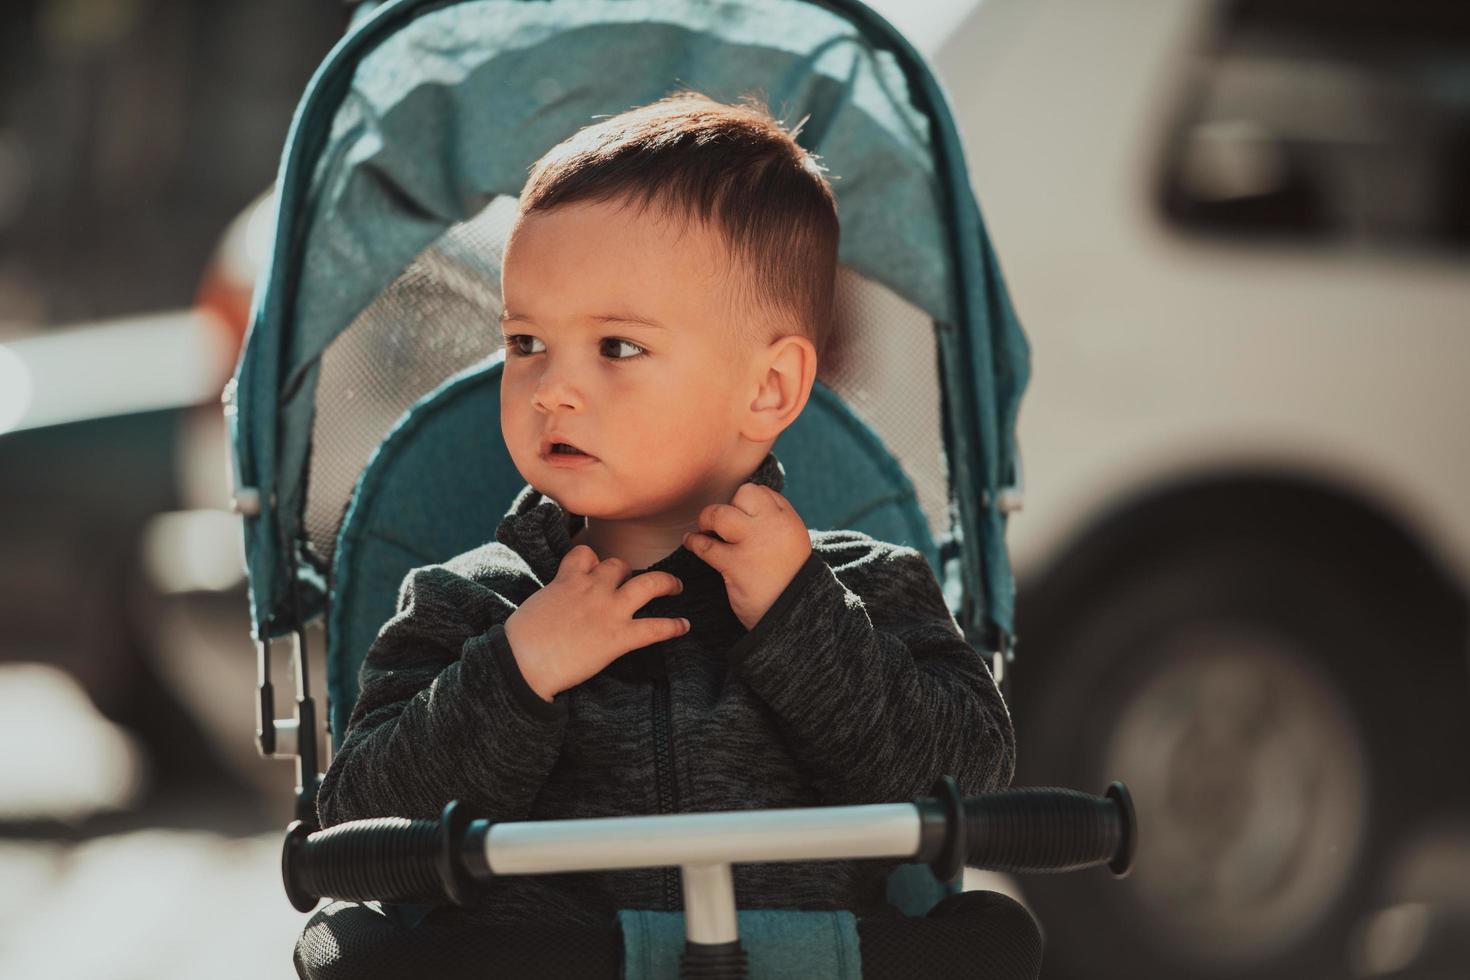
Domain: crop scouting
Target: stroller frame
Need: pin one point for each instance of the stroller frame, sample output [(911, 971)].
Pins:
[(978, 438)]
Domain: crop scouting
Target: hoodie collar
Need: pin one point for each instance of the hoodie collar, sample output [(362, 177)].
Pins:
[(538, 529)]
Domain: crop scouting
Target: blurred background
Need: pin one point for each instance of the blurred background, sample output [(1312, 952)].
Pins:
[(1238, 236)]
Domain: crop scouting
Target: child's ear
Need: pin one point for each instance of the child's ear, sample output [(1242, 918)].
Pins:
[(784, 373)]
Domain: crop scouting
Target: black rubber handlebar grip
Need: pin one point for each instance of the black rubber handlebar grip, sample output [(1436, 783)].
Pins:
[(1036, 829), (388, 858)]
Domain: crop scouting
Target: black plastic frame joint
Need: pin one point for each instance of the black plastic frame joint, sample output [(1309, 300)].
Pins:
[(942, 843), (1122, 863), (459, 886), (265, 720), (708, 961), (296, 835), (472, 856)]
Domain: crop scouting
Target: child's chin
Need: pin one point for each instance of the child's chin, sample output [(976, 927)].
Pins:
[(576, 501)]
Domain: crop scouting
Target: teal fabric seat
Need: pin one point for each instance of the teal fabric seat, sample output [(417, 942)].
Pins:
[(811, 945)]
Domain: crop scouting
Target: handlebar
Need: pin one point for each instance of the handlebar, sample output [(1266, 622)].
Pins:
[(1030, 829), (1051, 830)]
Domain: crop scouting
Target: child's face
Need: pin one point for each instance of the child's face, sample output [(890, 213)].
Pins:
[(621, 341)]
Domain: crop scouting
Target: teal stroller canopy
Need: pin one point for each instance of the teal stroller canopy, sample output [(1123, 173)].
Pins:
[(398, 184)]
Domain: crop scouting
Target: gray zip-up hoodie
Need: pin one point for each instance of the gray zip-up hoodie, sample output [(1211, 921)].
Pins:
[(855, 687)]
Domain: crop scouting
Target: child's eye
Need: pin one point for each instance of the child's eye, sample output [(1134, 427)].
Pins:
[(522, 344), (621, 350)]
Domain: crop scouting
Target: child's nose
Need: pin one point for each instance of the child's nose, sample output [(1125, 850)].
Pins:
[(554, 391)]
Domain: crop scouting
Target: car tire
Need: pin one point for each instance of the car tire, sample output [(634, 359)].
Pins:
[(1249, 697)]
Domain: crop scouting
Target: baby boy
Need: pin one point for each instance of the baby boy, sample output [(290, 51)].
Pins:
[(655, 629)]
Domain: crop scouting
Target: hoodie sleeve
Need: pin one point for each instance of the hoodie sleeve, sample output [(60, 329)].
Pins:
[(874, 687), (444, 712)]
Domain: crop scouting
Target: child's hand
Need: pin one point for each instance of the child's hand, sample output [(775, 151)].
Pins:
[(582, 620), (765, 543)]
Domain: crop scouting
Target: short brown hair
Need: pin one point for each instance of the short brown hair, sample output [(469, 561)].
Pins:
[(732, 166)]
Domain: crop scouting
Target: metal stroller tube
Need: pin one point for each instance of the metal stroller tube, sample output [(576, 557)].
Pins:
[(1030, 829)]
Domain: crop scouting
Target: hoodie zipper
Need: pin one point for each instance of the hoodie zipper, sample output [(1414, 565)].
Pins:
[(664, 772)]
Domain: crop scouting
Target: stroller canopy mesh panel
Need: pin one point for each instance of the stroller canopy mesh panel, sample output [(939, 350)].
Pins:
[(430, 111), (439, 316)]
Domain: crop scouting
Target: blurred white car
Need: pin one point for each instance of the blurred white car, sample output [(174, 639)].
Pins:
[(1238, 236)]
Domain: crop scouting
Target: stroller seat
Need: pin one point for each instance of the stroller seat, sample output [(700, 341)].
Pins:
[(371, 361)]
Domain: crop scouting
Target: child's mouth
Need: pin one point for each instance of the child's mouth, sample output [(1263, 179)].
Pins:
[(566, 454)]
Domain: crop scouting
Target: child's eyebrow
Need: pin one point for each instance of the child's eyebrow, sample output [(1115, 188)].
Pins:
[(626, 318), (507, 317)]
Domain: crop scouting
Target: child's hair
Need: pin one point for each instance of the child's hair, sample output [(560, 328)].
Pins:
[(732, 166)]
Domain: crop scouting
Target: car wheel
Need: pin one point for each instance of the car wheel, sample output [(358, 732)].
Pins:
[(1246, 696)]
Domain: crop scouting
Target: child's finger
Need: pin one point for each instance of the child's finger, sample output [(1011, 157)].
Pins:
[(640, 589), (753, 499), (776, 500), (612, 570), (730, 523), (642, 632), (580, 560), (715, 553)]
